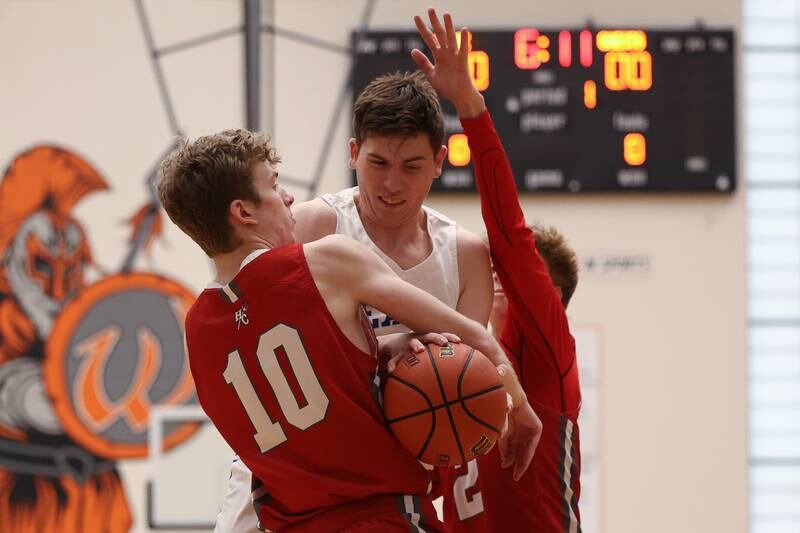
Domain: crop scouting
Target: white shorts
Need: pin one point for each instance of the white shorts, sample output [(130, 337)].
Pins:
[(237, 514)]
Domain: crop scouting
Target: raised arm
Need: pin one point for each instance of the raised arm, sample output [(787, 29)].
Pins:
[(522, 271), (360, 275)]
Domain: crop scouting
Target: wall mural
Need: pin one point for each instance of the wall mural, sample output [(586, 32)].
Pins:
[(81, 363)]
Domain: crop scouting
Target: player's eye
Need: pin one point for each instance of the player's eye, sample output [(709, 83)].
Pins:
[(412, 168)]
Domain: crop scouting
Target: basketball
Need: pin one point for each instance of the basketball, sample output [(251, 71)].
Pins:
[(445, 405)]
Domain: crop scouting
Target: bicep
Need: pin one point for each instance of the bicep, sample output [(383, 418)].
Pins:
[(475, 274)]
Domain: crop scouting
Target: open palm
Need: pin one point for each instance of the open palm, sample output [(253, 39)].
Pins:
[(449, 73)]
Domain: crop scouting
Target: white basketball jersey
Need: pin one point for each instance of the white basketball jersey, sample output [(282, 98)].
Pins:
[(437, 274)]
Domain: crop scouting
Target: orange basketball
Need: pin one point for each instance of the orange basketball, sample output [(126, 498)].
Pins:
[(445, 405)]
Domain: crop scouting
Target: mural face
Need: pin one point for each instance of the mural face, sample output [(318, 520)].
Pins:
[(81, 365)]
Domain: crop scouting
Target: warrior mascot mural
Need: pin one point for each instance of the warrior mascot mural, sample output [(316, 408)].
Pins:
[(81, 363)]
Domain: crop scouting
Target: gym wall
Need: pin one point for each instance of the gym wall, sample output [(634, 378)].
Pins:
[(669, 334)]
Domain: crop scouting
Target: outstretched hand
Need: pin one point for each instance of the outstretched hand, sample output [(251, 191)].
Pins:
[(449, 73), (519, 442)]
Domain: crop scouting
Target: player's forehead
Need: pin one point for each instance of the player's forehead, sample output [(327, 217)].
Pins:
[(264, 172), (398, 146)]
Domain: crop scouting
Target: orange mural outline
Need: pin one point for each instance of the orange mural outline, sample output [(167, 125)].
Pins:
[(53, 365)]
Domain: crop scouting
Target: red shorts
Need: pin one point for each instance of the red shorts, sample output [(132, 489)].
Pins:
[(375, 515)]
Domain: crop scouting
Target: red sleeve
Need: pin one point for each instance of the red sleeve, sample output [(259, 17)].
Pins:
[(533, 301)]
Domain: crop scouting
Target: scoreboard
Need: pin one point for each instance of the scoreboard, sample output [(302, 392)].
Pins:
[(589, 110)]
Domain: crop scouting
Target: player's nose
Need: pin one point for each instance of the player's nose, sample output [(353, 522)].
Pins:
[(393, 182), (288, 199)]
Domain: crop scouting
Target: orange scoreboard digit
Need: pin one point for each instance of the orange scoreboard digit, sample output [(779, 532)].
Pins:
[(590, 109)]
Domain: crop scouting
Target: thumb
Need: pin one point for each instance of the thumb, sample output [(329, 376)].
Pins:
[(422, 62)]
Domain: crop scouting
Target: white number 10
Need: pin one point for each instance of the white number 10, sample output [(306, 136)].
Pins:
[(269, 433)]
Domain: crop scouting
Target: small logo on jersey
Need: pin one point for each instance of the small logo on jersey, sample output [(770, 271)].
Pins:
[(447, 351), (241, 317), (444, 459), (412, 361), (481, 446)]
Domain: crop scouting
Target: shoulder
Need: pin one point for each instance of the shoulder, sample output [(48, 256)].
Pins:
[(473, 259), (339, 263), (342, 257), (470, 246), (315, 219), (333, 251), (196, 316)]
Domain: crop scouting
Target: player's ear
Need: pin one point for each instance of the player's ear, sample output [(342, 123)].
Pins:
[(438, 161), (242, 211), (352, 146)]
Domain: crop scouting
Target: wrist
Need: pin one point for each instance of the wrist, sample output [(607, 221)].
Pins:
[(508, 377), (470, 106), (513, 387)]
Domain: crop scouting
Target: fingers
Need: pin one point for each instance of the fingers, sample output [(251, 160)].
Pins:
[(422, 62), (435, 338), (466, 42), (438, 29), (452, 337), (392, 364), (442, 339), (524, 457), (425, 33), (416, 346), (504, 444), (450, 32), (507, 451), (524, 442)]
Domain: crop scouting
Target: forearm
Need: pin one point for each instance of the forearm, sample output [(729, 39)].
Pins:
[(422, 312), (500, 207)]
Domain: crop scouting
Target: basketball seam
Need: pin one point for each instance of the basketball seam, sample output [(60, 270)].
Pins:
[(430, 404), (447, 407), (434, 408), (463, 400)]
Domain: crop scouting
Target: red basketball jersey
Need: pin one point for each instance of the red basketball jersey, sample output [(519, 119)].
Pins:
[(481, 497), (293, 396)]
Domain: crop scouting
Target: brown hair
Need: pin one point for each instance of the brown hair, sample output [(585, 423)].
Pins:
[(199, 180), (402, 103), (560, 258)]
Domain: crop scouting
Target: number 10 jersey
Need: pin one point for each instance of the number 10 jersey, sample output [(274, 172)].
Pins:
[(292, 395)]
